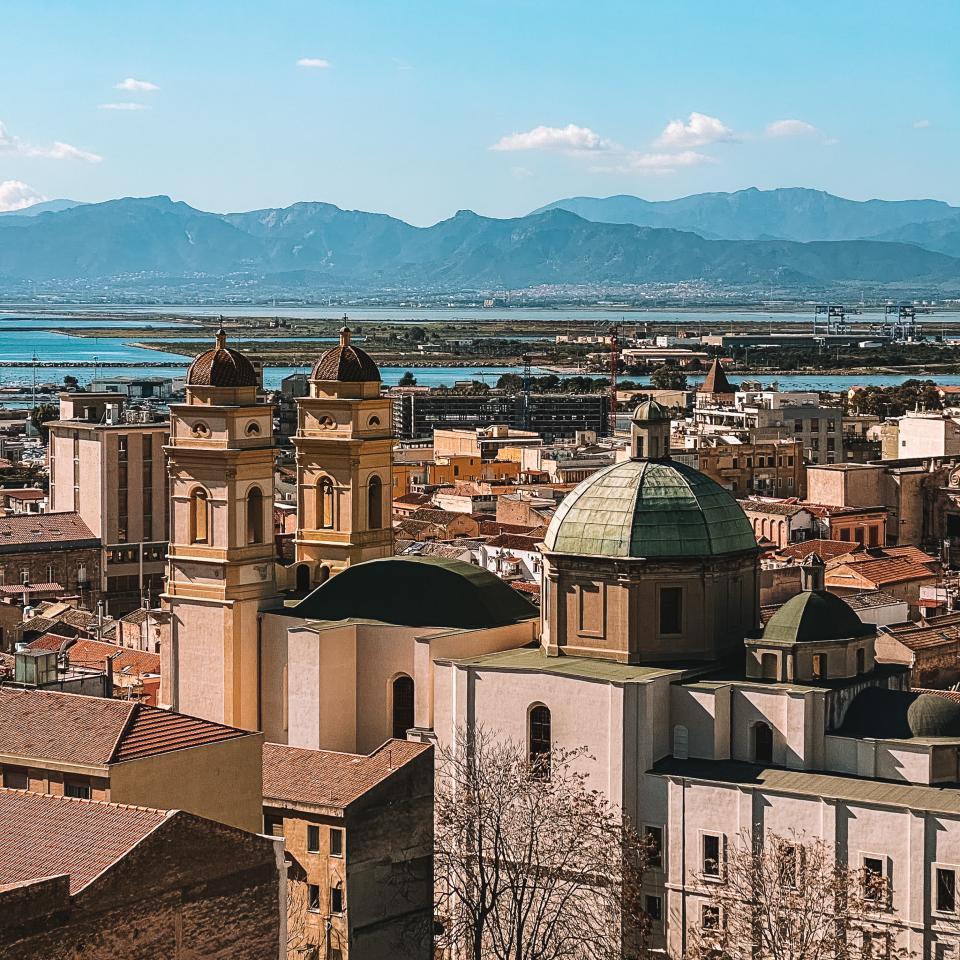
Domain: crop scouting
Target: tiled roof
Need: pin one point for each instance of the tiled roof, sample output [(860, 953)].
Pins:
[(93, 653), (877, 573), (137, 616), (70, 728), (513, 541), (327, 778), (771, 507), (20, 529), (413, 498), (493, 528), (46, 836), (346, 363), (32, 588), (716, 380), (825, 549), (442, 518), (221, 367)]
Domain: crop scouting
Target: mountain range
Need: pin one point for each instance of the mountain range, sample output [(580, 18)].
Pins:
[(315, 247), (792, 213)]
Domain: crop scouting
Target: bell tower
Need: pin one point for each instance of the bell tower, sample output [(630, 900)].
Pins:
[(221, 555), (344, 445)]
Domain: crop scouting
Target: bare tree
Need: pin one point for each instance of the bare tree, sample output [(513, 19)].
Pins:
[(299, 946), (788, 898), (532, 864)]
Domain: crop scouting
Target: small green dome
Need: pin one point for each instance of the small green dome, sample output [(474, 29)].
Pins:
[(649, 509), (650, 412), (815, 615)]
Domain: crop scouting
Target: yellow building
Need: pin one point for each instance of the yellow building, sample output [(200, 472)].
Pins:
[(344, 445), (221, 556)]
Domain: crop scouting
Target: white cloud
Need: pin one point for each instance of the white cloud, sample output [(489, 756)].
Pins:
[(59, 150), (921, 124), (132, 85), (698, 131), (123, 106), (15, 195), (655, 164), (790, 128), (567, 139), (313, 63)]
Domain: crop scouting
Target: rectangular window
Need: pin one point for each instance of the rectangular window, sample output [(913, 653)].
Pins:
[(77, 789), (671, 610), (818, 666), (15, 779), (313, 898), (814, 424), (336, 900), (336, 842), (798, 426), (711, 855), (273, 826), (874, 881), (654, 837), (709, 917), (313, 838), (653, 907), (946, 890)]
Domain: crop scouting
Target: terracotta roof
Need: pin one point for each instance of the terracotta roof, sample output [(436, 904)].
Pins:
[(826, 549), (137, 616), (513, 541), (772, 507), (221, 367), (327, 778), (413, 498), (32, 588), (716, 380), (876, 573), (84, 652), (19, 529), (493, 528), (346, 363), (26, 493), (525, 586), (68, 727), (441, 518), (46, 836)]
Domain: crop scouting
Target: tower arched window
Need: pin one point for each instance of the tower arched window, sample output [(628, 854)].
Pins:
[(402, 706), (325, 504), (375, 503), (762, 743), (254, 515), (199, 516), (540, 738)]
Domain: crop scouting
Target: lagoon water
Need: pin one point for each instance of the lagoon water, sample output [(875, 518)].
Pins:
[(60, 350)]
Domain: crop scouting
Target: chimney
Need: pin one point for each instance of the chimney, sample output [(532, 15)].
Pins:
[(812, 573)]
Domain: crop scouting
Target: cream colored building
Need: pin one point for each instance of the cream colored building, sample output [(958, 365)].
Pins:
[(648, 653)]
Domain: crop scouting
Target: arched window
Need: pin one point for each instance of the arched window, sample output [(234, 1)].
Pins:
[(540, 740), (303, 578), (374, 503), (769, 666), (762, 743), (325, 504), (402, 706), (199, 516), (254, 515), (861, 661)]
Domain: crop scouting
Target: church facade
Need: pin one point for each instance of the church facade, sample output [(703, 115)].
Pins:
[(647, 650)]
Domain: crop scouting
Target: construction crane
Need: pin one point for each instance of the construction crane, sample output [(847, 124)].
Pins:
[(614, 334)]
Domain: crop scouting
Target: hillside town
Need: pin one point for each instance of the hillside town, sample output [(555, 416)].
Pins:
[(248, 638)]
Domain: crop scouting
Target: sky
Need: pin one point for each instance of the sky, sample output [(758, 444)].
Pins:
[(419, 109)]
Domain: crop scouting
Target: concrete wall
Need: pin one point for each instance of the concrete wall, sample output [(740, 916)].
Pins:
[(221, 781)]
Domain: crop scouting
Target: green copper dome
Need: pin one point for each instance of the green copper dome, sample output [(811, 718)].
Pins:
[(649, 509), (815, 615)]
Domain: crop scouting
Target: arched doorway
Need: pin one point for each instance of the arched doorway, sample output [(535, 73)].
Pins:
[(303, 578), (762, 743), (402, 706)]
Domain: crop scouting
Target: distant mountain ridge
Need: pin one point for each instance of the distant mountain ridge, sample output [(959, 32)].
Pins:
[(318, 246), (44, 206), (791, 213)]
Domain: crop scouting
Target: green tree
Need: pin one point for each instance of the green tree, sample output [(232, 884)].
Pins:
[(668, 378), (42, 414), (511, 382), (407, 380)]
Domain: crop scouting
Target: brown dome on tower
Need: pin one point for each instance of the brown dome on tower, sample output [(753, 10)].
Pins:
[(346, 363), (221, 367)]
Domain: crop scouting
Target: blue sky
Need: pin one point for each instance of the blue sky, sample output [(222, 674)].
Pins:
[(418, 109)]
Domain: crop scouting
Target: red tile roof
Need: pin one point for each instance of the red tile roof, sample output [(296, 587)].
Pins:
[(513, 541), (20, 529), (70, 728), (327, 778), (47, 836), (825, 549), (83, 652), (876, 573)]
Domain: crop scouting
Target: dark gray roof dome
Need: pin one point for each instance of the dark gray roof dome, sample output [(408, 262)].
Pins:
[(901, 714), (650, 412), (417, 592)]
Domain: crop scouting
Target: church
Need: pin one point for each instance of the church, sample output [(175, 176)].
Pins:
[(648, 649)]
